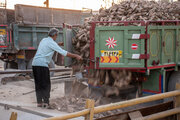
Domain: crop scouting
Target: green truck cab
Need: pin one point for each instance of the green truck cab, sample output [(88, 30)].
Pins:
[(24, 27)]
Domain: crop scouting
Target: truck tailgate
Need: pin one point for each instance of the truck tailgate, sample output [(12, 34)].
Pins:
[(120, 47)]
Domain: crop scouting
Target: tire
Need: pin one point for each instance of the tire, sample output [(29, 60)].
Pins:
[(174, 78), (29, 64), (10, 65), (5, 65)]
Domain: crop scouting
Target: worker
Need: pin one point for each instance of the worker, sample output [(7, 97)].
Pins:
[(40, 63)]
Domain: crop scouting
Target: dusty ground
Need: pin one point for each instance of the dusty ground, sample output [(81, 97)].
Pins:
[(21, 93), (14, 90)]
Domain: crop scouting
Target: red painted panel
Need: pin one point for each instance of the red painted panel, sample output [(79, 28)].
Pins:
[(161, 66), (3, 46)]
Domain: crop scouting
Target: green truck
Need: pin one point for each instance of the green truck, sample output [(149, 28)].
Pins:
[(150, 50), (19, 44), (22, 29)]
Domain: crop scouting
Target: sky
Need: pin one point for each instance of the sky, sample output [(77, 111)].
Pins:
[(67, 4)]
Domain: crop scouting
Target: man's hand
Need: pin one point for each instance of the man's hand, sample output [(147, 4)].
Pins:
[(61, 44), (79, 57), (74, 56)]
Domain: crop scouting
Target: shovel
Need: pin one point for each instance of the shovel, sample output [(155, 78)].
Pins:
[(78, 87)]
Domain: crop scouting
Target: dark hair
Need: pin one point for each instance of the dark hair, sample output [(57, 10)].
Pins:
[(53, 32)]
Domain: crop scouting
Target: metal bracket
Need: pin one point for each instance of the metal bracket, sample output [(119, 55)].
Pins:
[(144, 56)]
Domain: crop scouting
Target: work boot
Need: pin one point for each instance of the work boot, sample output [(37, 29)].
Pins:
[(47, 106)]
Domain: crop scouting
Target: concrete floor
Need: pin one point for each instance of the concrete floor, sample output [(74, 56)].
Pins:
[(12, 94)]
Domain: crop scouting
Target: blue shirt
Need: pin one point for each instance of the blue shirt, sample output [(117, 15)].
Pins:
[(45, 52)]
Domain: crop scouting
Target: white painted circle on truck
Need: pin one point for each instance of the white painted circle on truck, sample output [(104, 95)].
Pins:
[(134, 46)]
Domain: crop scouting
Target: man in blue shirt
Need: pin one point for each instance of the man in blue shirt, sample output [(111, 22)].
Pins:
[(40, 63)]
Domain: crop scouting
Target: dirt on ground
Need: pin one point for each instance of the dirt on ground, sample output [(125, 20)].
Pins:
[(74, 104), (5, 80)]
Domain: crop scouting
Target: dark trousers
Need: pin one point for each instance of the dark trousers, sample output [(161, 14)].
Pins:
[(42, 84)]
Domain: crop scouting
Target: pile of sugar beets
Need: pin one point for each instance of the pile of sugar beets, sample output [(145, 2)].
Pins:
[(130, 10)]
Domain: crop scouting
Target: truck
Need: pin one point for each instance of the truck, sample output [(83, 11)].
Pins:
[(150, 51), (19, 46), (22, 29)]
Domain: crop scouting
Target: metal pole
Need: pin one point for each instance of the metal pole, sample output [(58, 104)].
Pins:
[(6, 106), (30, 71)]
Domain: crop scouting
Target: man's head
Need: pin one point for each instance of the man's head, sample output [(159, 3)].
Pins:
[(53, 33)]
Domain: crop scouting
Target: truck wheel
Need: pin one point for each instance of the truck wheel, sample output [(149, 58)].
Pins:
[(5, 65), (29, 64), (174, 78), (10, 65)]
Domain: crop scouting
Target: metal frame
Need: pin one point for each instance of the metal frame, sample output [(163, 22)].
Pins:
[(162, 66), (164, 21), (30, 71)]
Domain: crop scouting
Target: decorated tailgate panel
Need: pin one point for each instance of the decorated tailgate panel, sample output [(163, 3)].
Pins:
[(119, 46), (110, 56), (3, 36), (163, 45)]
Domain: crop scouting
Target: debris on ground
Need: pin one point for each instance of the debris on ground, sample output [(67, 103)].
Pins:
[(68, 104), (5, 80), (74, 104)]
